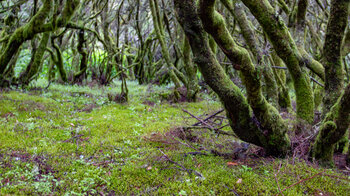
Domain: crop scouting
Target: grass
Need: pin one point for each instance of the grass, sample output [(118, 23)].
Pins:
[(70, 140)]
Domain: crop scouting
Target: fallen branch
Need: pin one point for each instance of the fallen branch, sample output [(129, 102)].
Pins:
[(275, 174), (301, 181), (208, 126), (211, 116), (189, 171)]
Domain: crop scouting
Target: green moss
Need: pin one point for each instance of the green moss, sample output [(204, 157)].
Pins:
[(114, 156)]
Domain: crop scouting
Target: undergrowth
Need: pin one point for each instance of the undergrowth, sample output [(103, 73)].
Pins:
[(70, 140)]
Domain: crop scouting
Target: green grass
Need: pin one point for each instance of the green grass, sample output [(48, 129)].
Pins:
[(70, 140)]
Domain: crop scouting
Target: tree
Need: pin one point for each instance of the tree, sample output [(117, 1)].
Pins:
[(252, 118)]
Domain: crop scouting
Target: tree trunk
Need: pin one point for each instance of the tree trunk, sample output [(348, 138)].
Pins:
[(244, 123), (287, 50), (37, 59)]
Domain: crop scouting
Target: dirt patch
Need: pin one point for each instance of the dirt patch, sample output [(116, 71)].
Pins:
[(118, 98), (39, 160), (29, 105), (149, 103), (88, 108)]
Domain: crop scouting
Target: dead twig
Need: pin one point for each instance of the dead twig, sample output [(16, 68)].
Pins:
[(232, 190), (74, 137), (275, 174), (203, 122), (189, 171), (301, 181), (206, 119)]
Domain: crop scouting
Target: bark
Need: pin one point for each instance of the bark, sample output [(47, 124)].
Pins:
[(37, 25), (284, 100), (24, 33), (287, 50), (37, 59), (333, 128), (160, 35), (250, 38), (334, 70), (58, 59), (81, 75), (242, 120), (191, 72)]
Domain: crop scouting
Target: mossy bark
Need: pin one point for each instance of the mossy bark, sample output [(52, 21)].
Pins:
[(250, 38), (58, 60), (284, 100), (334, 127), (37, 24), (286, 49), (24, 33), (334, 82), (34, 66), (159, 29), (191, 72), (243, 121), (81, 75)]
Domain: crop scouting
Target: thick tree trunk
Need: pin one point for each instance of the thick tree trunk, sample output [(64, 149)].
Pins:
[(287, 50), (334, 70), (330, 135), (334, 127), (242, 120)]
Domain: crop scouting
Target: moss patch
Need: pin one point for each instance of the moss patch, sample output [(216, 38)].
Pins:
[(49, 144)]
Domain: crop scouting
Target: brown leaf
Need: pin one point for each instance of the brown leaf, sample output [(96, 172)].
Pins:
[(232, 163)]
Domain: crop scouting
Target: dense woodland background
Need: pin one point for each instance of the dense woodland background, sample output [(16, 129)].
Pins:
[(279, 68)]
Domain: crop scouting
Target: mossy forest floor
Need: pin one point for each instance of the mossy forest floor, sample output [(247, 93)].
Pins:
[(70, 140)]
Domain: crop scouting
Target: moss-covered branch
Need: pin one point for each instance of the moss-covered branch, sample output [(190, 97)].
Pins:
[(159, 29), (267, 115), (37, 25), (242, 120), (333, 128), (287, 50), (58, 60), (24, 33), (334, 82), (81, 74), (35, 63)]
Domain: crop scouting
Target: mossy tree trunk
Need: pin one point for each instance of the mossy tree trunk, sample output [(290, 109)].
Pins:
[(159, 29), (37, 24), (287, 50), (58, 59), (191, 72), (250, 38), (37, 59), (24, 33), (81, 74), (284, 100), (249, 126), (334, 127), (334, 70), (336, 101)]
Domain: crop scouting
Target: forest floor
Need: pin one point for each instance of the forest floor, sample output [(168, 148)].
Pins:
[(70, 140)]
